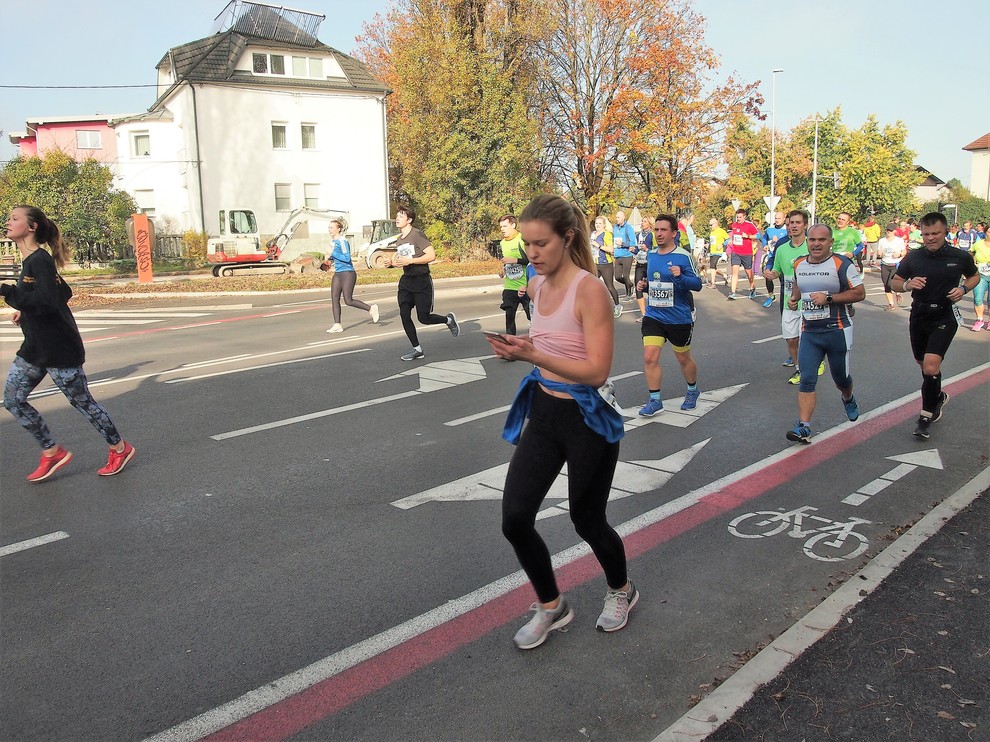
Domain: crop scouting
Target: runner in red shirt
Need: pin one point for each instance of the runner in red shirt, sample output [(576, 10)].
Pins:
[(741, 251)]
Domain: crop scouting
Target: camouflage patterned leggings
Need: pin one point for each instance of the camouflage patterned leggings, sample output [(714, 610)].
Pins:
[(22, 380)]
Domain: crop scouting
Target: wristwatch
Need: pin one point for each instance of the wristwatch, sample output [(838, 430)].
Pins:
[(828, 298)]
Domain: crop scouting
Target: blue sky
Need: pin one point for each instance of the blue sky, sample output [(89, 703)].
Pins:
[(919, 62)]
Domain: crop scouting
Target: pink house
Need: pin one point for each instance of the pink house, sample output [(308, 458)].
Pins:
[(80, 137)]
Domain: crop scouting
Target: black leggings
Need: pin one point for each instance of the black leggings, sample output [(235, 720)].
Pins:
[(343, 283), (606, 272), (640, 276), (887, 275), (624, 273), (556, 433), (417, 291)]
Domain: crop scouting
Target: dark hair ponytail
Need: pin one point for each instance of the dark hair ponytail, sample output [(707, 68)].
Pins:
[(46, 232)]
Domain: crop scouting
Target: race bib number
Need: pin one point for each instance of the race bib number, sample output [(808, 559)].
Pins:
[(963, 244), (984, 269), (661, 294), (811, 311), (958, 315), (737, 240), (618, 241), (406, 251), (514, 271), (641, 256), (788, 286)]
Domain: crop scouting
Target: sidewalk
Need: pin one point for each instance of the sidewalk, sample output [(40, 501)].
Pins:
[(910, 660)]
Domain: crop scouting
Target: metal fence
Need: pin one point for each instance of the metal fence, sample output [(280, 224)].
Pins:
[(167, 247)]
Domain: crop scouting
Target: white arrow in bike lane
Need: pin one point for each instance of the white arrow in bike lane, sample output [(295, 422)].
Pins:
[(908, 463), (432, 377), (631, 478)]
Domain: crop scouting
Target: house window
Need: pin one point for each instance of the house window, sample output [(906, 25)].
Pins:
[(86, 139), (308, 136), (141, 144), (278, 64), (283, 196), (145, 200), (279, 140), (311, 195), (300, 68), (260, 63), (316, 68)]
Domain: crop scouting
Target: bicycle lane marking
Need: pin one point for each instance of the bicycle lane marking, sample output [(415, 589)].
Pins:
[(288, 705)]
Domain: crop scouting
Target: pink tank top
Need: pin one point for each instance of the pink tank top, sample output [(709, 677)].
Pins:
[(560, 333)]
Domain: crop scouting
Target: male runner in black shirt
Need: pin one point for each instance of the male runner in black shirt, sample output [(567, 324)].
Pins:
[(414, 253), (932, 276)]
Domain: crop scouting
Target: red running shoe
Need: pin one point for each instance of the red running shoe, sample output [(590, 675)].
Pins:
[(117, 461), (50, 464)]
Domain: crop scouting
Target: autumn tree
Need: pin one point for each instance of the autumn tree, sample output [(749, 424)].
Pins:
[(629, 111), (78, 196), (462, 146)]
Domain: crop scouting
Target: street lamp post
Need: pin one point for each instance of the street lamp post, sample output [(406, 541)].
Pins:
[(773, 139), (814, 174)]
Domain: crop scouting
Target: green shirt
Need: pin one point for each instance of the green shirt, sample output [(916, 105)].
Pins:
[(845, 240), (783, 262), (515, 273)]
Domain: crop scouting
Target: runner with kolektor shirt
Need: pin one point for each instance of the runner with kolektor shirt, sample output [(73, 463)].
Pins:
[(670, 279), (825, 284), (932, 275)]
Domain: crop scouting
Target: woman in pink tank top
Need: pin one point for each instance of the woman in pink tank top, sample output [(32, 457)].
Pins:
[(570, 343)]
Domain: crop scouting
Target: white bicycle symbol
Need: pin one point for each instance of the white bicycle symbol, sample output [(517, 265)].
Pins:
[(833, 541)]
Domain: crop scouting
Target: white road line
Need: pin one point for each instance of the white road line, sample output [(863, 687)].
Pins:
[(199, 364), (84, 322), (32, 542), (232, 371), (477, 416), (279, 314), (767, 340), (112, 313), (314, 415), (403, 332)]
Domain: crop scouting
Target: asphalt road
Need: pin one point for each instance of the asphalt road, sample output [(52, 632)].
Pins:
[(284, 559)]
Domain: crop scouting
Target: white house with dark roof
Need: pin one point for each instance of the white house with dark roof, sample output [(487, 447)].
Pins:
[(980, 176), (259, 116)]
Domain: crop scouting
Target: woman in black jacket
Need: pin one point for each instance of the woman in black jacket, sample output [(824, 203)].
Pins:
[(52, 343)]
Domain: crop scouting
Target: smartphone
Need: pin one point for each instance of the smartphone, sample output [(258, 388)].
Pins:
[(497, 335)]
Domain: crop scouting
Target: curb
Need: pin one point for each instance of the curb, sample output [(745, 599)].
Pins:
[(723, 702)]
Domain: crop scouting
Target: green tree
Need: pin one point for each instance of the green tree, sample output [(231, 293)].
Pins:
[(78, 196), (463, 147)]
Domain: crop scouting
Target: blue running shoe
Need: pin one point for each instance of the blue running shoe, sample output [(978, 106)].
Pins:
[(789, 363), (769, 302), (852, 409), (651, 408), (690, 399), (752, 293), (799, 434)]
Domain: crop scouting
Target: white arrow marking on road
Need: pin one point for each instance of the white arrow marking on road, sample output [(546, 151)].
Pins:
[(433, 376), (445, 374), (631, 478), (909, 462), (678, 418)]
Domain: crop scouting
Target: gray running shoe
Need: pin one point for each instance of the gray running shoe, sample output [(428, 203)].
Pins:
[(923, 428), (413, 355), (452, 325), (618, 603), (536, 630)]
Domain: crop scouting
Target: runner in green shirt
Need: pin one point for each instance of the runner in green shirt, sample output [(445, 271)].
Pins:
[(846, 239), (513, 269), (791, 248)]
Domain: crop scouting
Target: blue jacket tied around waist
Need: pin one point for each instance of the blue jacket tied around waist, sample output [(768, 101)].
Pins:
[(597, 413)]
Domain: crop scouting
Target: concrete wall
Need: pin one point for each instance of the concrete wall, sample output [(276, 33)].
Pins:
[(980, 174)]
